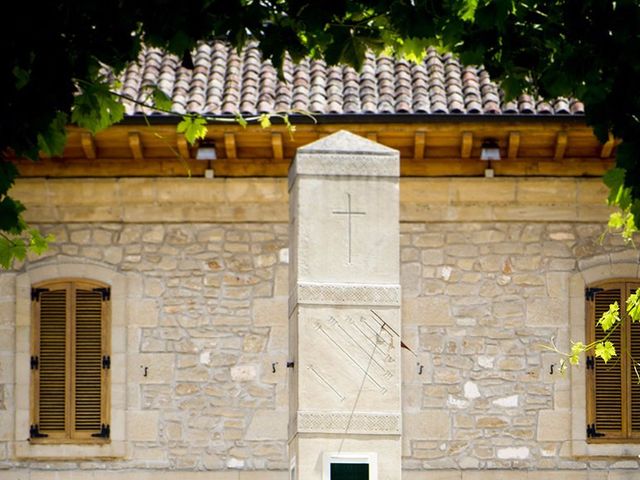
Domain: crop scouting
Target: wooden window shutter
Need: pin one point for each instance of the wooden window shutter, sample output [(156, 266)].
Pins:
[(71, 363), (634, 349), (613, 392), (50, 380), (606, 412), (87, 362)]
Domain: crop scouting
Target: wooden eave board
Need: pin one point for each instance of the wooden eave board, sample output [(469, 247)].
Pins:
[(157, 148)]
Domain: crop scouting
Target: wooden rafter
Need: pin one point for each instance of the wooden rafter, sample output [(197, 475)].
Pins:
[(418, 145), (230, 145), (88, 146), (467, 143), (561, 146), (514, 145), (373, 136), (135, 144), (276, 145), (607, 148), (183, 147)]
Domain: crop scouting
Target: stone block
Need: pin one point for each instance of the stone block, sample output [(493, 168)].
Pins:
[(432, 311), (426, 425), (270, 311), (142, 425), (143, 313), (467, 190), (554, 425), (268, 425), (160, 368)]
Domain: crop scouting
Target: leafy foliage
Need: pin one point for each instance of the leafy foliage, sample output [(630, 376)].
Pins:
[(56, 73), (603, 348)]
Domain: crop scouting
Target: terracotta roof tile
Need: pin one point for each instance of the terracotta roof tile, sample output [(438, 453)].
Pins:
[(225, 81)]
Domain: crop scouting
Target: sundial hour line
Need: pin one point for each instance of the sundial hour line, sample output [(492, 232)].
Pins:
[(349, 213), (386, 372)]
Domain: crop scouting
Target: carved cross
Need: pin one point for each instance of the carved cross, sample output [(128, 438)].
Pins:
[(349, 214)]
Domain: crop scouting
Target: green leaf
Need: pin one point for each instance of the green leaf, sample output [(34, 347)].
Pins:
[(161, 100), (96, 108), (468, 10), (11, 249), (52, 140), (8, 174), (10, 211), (605, 350), (616, 220), (265, 121), (610, 317), (22, 77), (241, 120), (633, 306), (38, 243), (193, 127), (576, 349)]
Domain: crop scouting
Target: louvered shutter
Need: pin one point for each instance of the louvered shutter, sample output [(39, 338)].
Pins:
[(634, 348), (607, 380), (51, 384), (88, 360), (70, 363)]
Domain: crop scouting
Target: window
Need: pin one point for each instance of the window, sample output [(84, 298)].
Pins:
[(351, 466), (70, 362), (613, 392)]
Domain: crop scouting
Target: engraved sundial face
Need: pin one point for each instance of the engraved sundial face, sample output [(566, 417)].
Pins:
[(354, 352)]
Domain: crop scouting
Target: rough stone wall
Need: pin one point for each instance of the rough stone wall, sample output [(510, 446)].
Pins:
[(478, 298), (210, 322)]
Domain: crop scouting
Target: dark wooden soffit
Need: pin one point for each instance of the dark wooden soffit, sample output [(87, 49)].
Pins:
[(427, 149)]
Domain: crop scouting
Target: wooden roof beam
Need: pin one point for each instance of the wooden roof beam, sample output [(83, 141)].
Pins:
[(467, 143), (135, 144), (607, 148), (418, 145), (514, 145), (561, 146), (276, 145), (88, 145), (230, 145), (183, 147)]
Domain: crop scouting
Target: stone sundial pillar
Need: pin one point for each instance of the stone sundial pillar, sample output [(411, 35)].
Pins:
[(344, 311)]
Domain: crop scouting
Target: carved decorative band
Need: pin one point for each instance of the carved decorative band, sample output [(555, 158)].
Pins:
[(336, 294), (339, 164), (363, 423)]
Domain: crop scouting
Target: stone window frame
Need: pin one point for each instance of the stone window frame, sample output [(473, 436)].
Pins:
[(603, 270), (369, 458), (118, 445)]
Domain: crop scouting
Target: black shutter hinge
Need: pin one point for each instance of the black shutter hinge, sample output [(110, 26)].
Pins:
[(35, 293), (590, 293), (34, 432), (105, 291), (34, 362), (106, 362), (592, 432), (591, 362), (105, 432)]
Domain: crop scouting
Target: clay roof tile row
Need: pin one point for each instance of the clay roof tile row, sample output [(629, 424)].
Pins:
[(225, 81)]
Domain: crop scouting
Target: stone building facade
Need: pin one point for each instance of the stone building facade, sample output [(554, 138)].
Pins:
[(491, 268)]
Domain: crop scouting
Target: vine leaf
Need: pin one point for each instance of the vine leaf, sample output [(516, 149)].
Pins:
[(633, 306), (96, 108), (161, 100), (193, 127), (605, 350), (610, 317), (576, 349), (53, 139)]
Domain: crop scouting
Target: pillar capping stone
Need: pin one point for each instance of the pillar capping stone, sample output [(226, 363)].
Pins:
[(345, 154)]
